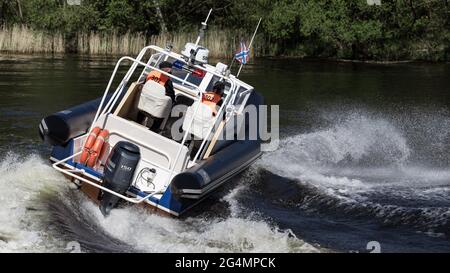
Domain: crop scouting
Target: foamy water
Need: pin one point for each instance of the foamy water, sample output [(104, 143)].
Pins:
[(23, 181), (361, 166), (28, 184)]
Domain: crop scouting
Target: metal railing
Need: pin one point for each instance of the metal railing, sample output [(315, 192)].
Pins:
[(116, 95), (80, 178)]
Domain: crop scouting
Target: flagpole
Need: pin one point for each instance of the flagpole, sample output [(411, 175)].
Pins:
[(232, 62), (231, 65), (250, 46)]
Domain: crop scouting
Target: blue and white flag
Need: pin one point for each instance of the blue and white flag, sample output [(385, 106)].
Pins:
[(244, 55)]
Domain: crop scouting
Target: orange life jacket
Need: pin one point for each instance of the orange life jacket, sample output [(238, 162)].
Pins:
[(211, 99), (158, 77)]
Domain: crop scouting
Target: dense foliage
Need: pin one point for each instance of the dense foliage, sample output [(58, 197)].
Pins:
[(396, 29)]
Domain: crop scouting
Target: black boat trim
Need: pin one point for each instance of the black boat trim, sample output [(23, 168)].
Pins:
[(197, 194)]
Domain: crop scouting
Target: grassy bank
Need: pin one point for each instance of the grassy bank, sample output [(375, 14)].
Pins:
[(21, 39)]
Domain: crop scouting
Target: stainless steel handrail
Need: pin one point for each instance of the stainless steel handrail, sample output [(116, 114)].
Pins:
[(113, 100), (71, 173)]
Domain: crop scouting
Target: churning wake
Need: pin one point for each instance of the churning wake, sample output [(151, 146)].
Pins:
[(39, 212), (330, 188), (364, 167), (23, 182), (135, 230)]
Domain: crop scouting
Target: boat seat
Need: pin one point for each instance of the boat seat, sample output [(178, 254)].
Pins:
[(153, 100), (202, 122)]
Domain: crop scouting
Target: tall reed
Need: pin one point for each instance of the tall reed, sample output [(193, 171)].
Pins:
[(21, 39)]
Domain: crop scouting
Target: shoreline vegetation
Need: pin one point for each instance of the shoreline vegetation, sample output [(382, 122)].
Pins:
[(221, 43), (355, 31), (24, 40)]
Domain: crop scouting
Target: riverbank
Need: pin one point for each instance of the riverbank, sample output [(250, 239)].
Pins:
[(221, 43), (23, 40)]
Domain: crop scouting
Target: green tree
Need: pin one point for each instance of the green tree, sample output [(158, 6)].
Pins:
[(397, 29), (10, 12)]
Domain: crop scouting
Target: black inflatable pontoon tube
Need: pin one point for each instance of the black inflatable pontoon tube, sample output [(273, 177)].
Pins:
[(58, 128)]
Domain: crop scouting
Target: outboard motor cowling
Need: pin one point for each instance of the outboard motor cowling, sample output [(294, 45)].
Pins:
[(120, 167)]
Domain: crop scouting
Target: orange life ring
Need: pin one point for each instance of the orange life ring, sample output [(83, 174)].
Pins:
[(97, 148), (88, 145)]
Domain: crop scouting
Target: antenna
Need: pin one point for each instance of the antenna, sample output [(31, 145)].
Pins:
[(203, 28), (201, 34)]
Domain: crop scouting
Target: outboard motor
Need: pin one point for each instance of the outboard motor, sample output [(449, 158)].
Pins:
[(120, 167)]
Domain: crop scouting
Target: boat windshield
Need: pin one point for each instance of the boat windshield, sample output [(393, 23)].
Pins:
[(183, 77), (216, 79), (188, 76)]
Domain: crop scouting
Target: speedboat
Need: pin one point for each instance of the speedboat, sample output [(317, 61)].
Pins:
[(111, 154)]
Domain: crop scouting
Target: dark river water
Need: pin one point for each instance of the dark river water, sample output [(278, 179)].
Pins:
[(363, 157)]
